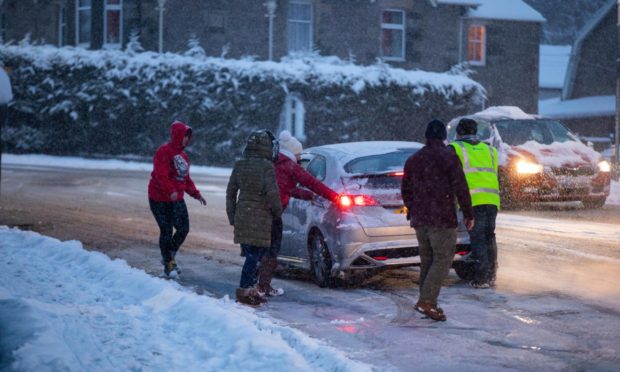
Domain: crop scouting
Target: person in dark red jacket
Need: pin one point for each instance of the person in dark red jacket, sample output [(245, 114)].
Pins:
[(170, 179), (288, 175), (432, 183)]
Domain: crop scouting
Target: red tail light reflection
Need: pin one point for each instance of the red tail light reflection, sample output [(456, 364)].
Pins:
[(347, 201)]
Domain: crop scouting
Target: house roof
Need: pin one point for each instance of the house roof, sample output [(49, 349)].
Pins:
[(459, 2), (585, 31), (553, 65), (509, 10)]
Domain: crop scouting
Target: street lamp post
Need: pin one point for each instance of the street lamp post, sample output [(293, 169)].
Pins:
[(161, 9), (271, 13)]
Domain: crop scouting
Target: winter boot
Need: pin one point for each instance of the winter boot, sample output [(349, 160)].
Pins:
[(171, 269), (248, 296), (265, 274)]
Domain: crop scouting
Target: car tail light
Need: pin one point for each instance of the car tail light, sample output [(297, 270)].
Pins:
[(397, 174), (346, 201)]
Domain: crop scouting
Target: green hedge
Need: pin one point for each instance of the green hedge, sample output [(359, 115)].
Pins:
[(89, 103)]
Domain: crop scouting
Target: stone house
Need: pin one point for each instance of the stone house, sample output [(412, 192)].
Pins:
[(499, 39), (588, 102)]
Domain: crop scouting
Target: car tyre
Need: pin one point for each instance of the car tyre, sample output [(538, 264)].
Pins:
[(594, 203), (320, 261), (464, 270)]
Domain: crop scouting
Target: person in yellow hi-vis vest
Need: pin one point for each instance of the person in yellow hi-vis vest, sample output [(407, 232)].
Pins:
[(480, 164)]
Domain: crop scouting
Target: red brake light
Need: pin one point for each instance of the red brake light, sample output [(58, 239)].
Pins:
[(346, 201), (397, 174)]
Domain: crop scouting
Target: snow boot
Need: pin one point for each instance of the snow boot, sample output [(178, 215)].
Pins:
[(248, 296), (171, 269), (265, 274)]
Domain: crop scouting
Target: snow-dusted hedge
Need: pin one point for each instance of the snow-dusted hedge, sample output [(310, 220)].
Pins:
[(79, 102)]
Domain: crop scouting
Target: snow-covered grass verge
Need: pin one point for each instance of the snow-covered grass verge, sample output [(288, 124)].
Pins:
[(64, 308), (36, 160)]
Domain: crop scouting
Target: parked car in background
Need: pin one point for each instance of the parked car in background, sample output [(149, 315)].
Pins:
[(367, 229), (540, 160)]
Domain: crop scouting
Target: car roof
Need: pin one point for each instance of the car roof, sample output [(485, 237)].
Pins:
[(496, 113), (348, 151)]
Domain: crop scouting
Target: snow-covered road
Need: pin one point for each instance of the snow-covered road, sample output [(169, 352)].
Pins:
[(556, 305)]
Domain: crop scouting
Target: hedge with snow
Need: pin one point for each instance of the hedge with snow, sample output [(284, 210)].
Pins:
[(72, 101)]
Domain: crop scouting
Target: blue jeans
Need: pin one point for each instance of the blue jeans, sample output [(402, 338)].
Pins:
[(483, 244), (253, 255)]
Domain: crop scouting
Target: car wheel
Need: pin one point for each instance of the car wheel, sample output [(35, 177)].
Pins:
[(320, 261), (465, 270), (594, 203)]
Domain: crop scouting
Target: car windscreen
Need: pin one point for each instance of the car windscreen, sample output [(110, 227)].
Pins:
[(544, 131), (378, 176), (380, 163)]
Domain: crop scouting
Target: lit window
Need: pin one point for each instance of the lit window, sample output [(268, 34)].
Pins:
[(62, 25), (393, 35), (113, 23), (299, 26), (476, 40), (83, 22), (293, 116)]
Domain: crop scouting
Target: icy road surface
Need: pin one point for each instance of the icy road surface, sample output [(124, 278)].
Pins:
[(556, 305)]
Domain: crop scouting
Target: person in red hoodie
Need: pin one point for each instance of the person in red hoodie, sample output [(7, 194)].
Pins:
[(288, 175), (170, 179)]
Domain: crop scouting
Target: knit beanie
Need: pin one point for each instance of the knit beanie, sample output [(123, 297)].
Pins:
[(436, 129), (290, 143)]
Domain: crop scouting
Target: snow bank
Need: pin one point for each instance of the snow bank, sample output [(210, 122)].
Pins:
[(63, 308)]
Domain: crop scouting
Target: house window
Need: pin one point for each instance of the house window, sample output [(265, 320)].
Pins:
[(299, 26), (293, 116), (62, 25), (393, 35), (476, 44), (83, 22), (113, 23)]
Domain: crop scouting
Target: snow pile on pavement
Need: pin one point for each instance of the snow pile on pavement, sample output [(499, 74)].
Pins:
[(63, 308)]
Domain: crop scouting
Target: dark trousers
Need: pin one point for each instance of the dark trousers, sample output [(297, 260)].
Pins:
[(437, 246), (483, 244), (269, 262), (169, 216), (253, 255)]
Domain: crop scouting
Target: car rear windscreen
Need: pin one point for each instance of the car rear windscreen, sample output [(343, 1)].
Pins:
[(518, 132), (381, 163)]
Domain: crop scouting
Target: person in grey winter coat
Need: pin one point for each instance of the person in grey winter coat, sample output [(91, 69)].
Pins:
[(252, 201)]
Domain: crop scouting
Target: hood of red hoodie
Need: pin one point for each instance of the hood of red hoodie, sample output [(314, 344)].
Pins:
[(178, 130)]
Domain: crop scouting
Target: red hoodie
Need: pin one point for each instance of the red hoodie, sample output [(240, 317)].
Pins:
[(171, 168), (289, 174)]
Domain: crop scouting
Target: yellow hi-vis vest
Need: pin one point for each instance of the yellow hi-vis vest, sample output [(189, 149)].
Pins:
[(480, 168)]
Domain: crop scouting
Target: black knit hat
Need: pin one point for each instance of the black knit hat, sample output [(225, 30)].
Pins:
[(466, 127), (436, 129)]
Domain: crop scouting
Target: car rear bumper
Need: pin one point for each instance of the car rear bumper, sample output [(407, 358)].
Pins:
[(365, 252)]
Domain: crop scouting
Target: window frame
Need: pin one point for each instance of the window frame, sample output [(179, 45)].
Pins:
[(78, 10), (482, 42), (107, 8), (62, 25), (395, 27), (309, 22)]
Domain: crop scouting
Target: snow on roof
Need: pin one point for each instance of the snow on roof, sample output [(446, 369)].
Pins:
[(510, 112), (578, 108), (510, 10), (553, 64)]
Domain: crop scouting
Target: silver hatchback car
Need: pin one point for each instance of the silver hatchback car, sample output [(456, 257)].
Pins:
[(367, 228)]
